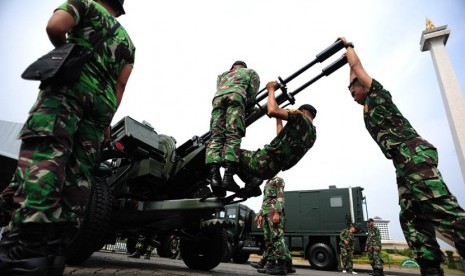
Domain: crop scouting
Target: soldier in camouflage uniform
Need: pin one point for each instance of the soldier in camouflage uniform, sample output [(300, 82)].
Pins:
[(62, 136), (425, 201), (373, 247), (276, 259), (236, 91), (290, 145), (347, 248), (144, 247)]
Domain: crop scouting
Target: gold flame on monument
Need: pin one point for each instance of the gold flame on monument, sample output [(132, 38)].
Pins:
[(429, 24)]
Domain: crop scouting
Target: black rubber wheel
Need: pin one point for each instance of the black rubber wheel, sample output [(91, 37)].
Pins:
[(321, 257), (206, 251), (228, 253), (94, 225), (241, 257)]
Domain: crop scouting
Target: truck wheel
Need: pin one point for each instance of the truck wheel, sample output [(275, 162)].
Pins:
[(241, 257), (228, 253), (205, 251), (94, 225), (321, 257)]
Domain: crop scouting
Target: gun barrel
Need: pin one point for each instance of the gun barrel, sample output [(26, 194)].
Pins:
[(282, 98), (322, 56), (328, 70), (331, 50)]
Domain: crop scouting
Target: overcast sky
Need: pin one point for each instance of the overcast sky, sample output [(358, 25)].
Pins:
[(182, 45)]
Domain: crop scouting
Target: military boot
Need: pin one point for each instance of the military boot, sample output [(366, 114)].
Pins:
[(376, 272), (430, 268), (290, 267), (431, 271), (278, 269), (259, 264), (252, 183), (228, 179), (24, 250), (214, 178), (135, 255), (268, 265), (58, 234)]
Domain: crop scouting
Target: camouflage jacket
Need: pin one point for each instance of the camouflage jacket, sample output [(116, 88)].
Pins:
[(273, 197), (294, 140), (374, 237), (100, 73), (243, 81), (383, 120), (345, 235)]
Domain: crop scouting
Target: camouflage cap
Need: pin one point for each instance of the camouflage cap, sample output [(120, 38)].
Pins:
[(239, 62)]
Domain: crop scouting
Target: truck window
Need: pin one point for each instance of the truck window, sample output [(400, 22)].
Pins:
[(231, 213), (242, 213), (335, 201)]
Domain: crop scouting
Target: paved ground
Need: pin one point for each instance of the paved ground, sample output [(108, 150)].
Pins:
[(104, 263)]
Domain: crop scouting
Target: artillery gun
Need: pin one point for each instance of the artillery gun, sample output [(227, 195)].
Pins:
[(144, 184)]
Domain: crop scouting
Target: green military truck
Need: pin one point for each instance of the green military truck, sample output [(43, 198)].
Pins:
[(314, 219)]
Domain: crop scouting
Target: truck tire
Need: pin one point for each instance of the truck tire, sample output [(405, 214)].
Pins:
[(228, 252), (206, 251), (94, 225), (241, 257), (321, 257)]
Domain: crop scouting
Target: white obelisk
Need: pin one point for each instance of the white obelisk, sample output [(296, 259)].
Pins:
[(434, 39)]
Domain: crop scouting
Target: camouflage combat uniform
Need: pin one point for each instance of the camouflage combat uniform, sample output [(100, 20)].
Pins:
[(62, 136), (425, 201), (273, 201), (347, 250), (284, 151), (373, 242), (236, 89)]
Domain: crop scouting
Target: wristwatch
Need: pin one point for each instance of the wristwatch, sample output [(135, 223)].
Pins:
[(350, 44)]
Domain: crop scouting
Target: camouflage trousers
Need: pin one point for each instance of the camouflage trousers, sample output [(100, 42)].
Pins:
[(346, 258), (146, 245), (260, 163), (227, 126), (276, 248), (60, 142), (375, 258), (425, 201)]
